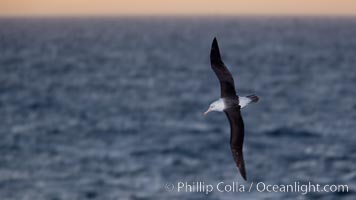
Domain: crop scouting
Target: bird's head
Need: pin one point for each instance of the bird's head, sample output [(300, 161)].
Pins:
[(216, 106)]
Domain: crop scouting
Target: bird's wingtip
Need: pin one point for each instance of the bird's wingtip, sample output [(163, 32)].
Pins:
[(215, 52), (215, 42)]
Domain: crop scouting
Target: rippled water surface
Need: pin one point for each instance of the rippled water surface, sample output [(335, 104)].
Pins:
[(112, 108)]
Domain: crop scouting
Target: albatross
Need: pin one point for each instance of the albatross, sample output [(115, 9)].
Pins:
[(230, 103)]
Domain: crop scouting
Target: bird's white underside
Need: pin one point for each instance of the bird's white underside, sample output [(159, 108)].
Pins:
[(219, 105), (244, 101)]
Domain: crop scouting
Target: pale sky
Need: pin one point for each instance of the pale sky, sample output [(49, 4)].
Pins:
[(176, 7)]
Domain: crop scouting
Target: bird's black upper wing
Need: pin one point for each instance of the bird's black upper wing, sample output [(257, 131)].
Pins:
[(237, 137), (225, 78)]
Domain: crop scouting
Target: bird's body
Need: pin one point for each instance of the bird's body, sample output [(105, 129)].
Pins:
[(230, 103), (223, 103)]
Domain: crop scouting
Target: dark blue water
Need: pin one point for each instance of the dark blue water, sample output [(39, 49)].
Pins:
[(112, 108)]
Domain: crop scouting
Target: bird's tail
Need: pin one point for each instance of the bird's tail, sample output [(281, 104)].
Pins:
[(253, 98)]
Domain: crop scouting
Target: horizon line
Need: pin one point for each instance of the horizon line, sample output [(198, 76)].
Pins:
[(178, 15)]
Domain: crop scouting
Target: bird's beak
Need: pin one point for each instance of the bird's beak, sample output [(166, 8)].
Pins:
[(206, 112)]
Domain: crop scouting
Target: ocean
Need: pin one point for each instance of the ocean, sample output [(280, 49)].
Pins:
[(111, 108)]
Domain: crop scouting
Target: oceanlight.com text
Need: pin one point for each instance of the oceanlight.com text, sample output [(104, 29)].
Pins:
[(295, 187)]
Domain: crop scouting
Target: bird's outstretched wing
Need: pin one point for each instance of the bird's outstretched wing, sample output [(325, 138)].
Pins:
[(227, 86), (237, 137)]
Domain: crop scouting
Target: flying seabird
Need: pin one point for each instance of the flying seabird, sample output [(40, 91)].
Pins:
[(230, 103)]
